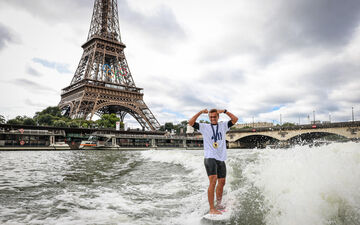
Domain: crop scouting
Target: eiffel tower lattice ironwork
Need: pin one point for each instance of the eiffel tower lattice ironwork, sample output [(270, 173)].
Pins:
[(103, 82)]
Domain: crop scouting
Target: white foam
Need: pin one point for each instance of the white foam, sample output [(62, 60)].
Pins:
[(196, 204), (306, 185), (193, 160)]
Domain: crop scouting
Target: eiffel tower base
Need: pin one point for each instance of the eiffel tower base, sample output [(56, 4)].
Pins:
[(88, 100)]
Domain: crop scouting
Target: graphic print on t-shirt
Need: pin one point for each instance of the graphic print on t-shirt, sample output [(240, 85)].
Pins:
[(219, 136)]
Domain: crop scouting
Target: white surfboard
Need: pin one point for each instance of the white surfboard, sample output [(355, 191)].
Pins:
[(225, 216)]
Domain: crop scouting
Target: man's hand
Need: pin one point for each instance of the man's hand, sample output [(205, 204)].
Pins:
[(233, 118), (194, 118)]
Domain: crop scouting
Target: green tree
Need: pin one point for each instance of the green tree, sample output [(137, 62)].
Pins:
[(287, 124), (183, 124), (108, 121), (88, 124), (169, 126), (14, 122), (72, 124), (45, 119), (60, 123), (48, 116), (51, 110), (246, 127), (2, 119), (19, 120), (29, 121)]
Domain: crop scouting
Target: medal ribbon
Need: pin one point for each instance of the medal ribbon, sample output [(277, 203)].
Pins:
[(215, 134)]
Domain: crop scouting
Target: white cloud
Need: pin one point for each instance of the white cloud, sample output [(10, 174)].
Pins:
[(257, 59)]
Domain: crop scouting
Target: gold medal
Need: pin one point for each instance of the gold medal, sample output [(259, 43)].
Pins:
[(215, 135), (215, 144)]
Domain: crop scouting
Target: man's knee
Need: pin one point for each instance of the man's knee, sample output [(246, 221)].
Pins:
[(212, 180), (221, 181)]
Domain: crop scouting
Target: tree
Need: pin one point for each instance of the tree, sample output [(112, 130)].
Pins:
[(2, 119), (72, 124), (51, 110), (60, 123), (88, 124), (183, 124), (14, 122), (287, 124), (169, 126), (48, 116), (247, 127), (108, 121), (19, 120), (29, 121), (45, 119)]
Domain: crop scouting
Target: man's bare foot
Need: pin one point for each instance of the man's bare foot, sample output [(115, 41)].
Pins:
[(220, 207), (214, 211)]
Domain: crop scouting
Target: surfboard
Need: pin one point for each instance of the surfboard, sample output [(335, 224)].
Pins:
[(225, 216)]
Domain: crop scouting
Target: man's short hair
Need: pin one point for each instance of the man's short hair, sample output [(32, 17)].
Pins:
[(213, 111)]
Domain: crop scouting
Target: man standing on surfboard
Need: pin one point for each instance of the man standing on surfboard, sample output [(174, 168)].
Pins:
[(215, 152)]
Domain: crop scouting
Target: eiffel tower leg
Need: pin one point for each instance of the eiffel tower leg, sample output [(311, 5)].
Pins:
[(73, 109), (80, 104), (122, 116), (95, 104)]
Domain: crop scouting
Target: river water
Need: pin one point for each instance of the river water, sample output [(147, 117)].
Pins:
[(300, 185)]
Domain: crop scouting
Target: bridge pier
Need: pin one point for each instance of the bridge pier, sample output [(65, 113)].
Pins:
[(234, 144), (153, 143), (52, 140), (184, 143), (113, 142)]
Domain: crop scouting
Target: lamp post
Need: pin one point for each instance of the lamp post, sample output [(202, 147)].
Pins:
[(352, 113), (314, 116)]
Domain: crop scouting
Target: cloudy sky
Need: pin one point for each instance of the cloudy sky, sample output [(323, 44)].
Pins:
[(258, 59)]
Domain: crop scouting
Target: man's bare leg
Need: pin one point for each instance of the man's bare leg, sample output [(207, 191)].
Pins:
[(211, 190), (219, 193)]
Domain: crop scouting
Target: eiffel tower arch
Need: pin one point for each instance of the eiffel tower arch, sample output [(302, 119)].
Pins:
[(103, 82)]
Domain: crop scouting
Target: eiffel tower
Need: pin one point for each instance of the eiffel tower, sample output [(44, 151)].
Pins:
[(102, 82)]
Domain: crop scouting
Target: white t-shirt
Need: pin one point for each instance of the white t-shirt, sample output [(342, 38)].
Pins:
[(218, 153)]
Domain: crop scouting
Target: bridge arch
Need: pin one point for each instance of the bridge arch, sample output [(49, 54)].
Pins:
[(255, 141), (66, 108), (311, 136), (339, 132), (122, 109), (258, 134)]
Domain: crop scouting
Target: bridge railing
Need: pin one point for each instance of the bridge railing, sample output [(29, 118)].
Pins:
[(34, 132), (297, 127), (145, 136)]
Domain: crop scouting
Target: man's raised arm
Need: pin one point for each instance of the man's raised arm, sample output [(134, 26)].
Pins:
[(194, 118), (233, 118)]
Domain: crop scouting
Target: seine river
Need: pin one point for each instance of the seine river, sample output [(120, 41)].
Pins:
[(301, 185)]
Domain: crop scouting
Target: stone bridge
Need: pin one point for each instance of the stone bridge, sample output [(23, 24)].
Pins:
[(350, 130)]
